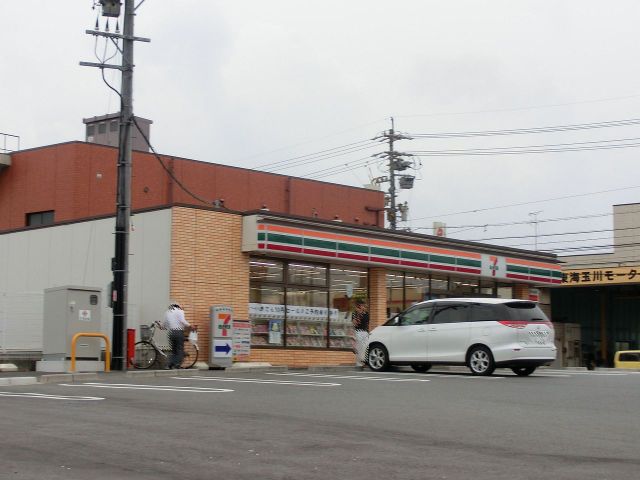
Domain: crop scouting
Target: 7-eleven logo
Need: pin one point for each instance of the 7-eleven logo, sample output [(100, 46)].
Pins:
[(493, 265), (224, 324)]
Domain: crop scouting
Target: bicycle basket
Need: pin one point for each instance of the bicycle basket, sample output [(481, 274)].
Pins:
[(145, 332)]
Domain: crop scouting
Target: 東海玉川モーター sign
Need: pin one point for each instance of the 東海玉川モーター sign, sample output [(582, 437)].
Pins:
[(601, 276)]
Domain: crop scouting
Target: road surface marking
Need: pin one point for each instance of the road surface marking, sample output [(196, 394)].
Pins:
[(164, 388), (47, 397), (257, 380), (351, 377)]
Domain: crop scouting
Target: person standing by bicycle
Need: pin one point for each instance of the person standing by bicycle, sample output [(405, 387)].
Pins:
[(175, 322)]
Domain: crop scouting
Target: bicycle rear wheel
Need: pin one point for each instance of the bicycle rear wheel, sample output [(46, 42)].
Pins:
[(145, 355), (190, 355)]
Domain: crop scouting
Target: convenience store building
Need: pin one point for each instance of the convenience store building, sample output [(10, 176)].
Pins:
[(289, 255)]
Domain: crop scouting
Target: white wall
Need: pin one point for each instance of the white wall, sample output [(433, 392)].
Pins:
[(80, 254)]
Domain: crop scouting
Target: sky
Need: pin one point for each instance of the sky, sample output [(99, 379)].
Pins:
[(301, 87)]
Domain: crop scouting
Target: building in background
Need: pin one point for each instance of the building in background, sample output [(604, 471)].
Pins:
[(289, 255), (600, 294)]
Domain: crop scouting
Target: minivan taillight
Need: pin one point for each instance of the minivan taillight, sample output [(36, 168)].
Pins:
[(513, 323)]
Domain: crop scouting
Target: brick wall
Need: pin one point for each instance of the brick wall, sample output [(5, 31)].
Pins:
[(208, 268), (521, 291), (377, 297)]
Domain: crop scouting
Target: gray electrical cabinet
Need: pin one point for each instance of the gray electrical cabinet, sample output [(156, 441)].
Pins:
[(69, 310)]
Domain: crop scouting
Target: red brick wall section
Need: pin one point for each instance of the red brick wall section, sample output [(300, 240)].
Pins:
[(78, 180)]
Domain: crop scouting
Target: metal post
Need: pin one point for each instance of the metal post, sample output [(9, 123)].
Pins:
[(123, 202), (392, 179)]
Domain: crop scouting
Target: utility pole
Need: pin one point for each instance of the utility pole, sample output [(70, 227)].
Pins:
[(534, 215), (396, 163), (120, 262)]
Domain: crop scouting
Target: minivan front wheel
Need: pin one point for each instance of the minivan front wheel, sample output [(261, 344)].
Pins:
[(378, 358), (480, 361)]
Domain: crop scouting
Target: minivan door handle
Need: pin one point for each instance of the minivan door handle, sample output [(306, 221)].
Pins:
[(432, 329)]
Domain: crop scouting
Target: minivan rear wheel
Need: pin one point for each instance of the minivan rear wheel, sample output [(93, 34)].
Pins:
[(421, 367), (524, 371), (378, 358), (480, 361)]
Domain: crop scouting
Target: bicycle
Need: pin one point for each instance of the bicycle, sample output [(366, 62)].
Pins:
[(147, 352)]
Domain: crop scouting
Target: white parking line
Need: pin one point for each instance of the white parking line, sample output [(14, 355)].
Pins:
[(257, 380), (571, 372), (164, 388), (47, 397), (351, 377)]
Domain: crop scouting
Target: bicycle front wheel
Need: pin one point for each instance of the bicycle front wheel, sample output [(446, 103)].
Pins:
[(190, 355), (145, 355)]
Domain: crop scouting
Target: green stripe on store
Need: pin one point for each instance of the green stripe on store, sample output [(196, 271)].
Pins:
[(261, 236), (469, 263), (348, 247), (556, 274), (540, 273), (387, 252), (442, 259), (312, 242), (513, 268), (275, 237), (415, 256)]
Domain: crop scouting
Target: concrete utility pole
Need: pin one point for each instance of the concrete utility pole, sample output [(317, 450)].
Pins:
[(396, 163), (535, 227), (120, 262)]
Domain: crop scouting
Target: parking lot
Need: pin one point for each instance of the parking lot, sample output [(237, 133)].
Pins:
[(339, 423)]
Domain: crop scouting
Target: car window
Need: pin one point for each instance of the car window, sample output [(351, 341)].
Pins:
[(527, 311), (417, 315), (630, 357), (482, 312), (450, 313)]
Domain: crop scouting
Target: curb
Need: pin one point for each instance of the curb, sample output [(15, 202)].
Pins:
[(18, 381)]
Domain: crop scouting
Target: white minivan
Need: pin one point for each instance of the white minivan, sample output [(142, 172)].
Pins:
[(482, 333)]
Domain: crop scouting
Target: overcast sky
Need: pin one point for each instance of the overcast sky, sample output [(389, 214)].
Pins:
[(251, 83)]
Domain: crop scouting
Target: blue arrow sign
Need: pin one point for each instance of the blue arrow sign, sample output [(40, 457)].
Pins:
[(226, 348)]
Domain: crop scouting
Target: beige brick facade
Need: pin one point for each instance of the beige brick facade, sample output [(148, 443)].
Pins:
[(209, 268), (377, 297)]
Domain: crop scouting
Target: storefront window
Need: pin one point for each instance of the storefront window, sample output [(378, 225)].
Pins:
[(347, 284), (304, 274), (439, 286), (266, 313), (416, 289), (463, 286), (307, 317), (505, 290), (266, 270), (293, 304)]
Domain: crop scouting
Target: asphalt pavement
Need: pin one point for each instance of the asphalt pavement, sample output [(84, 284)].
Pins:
[(323, 423)]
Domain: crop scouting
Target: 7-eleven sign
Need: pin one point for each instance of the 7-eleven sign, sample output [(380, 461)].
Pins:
[(222, 319)]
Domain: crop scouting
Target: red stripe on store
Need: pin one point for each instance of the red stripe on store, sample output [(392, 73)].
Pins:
[(284, 248), (385, 260), (351, 256), (468, 270), (516, 276), (442, 267), (323, 253), (414, 264)]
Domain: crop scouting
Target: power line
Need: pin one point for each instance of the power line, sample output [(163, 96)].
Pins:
[(530, 130), (320, 153), (555, 234), (553, 199), (530, 149)]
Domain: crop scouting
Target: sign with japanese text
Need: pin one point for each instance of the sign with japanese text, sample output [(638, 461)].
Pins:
[(601, 276), (241, 340)]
